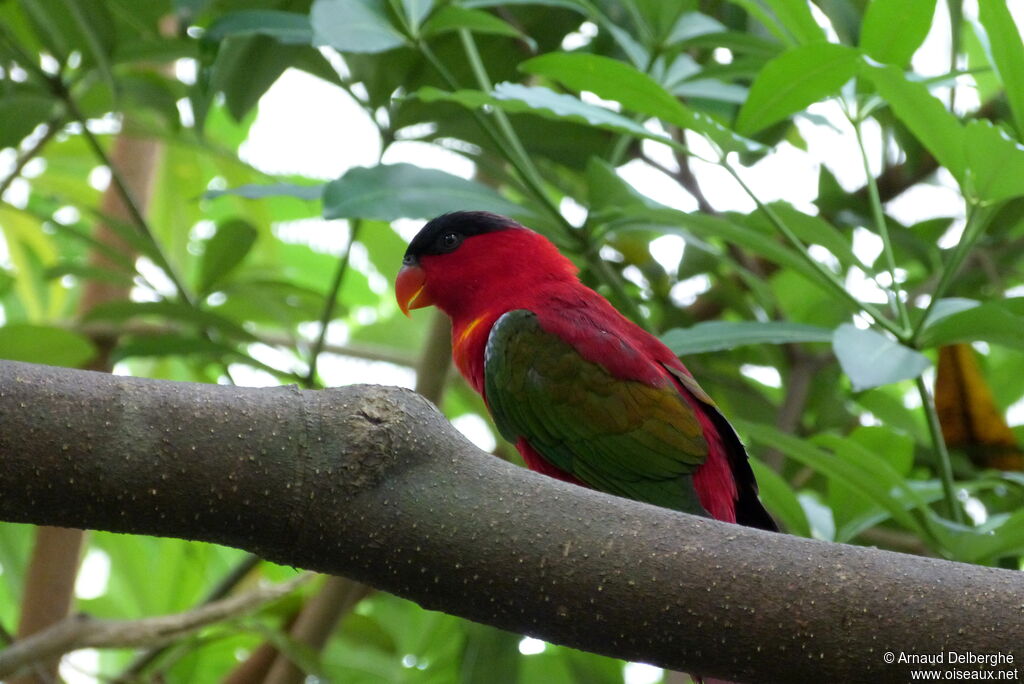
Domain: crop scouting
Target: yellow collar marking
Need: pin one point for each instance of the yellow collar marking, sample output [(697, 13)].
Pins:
[(469, 328)]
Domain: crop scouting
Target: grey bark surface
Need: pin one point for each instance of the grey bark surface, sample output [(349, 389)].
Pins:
[(374, 484)]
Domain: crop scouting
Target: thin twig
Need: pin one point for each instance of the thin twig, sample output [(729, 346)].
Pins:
[(352, 349), (219, 591), (319, 617), (82, 631), (943, 462), (803, 368), (511, 147), (131, 204), (896, 540), (53, 127), (330, 302), (822, 270), (685, 177), (882, 226), (977, 221), (525, 166), (688, 179)]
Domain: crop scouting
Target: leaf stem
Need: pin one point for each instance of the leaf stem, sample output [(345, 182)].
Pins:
[(878, 213), (134, 210), (53, 127), (60, 90), (511, 147), (330, 301), (831, 278), (978, 218), (521, 161), (943, 462), (621, 144)]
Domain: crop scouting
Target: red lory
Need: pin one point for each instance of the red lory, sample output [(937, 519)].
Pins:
[(586, 395)]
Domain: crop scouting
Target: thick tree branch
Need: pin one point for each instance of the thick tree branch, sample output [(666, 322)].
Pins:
[(50, 580), (373, 483), (337, 597)]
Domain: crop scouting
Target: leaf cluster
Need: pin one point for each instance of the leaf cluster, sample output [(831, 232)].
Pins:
[(637, 135)]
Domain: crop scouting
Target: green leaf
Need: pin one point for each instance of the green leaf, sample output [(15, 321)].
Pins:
[(691, 25), (302, 655), (183, 344), (31, 250), (779, 498), (814, 230), (853, 513), (354, 25), (453, 18), (7, 281), (15, 550), (89, 272), (606, 189), (1006, 51), (21, 112), (304, 192), (416, 11), (578, 5), (871, 476), (44, 344), (170, 344), (389, 192), (712, 89), (872, 359), (938, 130), (284, 27), (119, 311), (95, 28), (896, 448), (224, 251), (888, 484), (274, 304), (717, 335), (245, 69), (704, 226), (974, 44), (1003, 535), (988, 322), (894, 29), (612, 79), (948, 307), (515, 98), (890, 409), (790, 20), (489, 655), (995, 163), (794, 80)]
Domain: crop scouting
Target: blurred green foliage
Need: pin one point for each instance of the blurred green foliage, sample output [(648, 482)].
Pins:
[(830, 390)]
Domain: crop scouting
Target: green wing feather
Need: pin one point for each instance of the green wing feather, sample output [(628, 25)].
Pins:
[(619, 436)]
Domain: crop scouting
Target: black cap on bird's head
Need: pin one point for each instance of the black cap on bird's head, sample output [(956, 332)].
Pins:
[(446, 232)]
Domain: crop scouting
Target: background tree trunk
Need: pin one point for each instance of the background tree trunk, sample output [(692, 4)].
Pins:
[(50, 579)]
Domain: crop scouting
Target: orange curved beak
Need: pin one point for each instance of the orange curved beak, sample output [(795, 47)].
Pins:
[(410, 289)]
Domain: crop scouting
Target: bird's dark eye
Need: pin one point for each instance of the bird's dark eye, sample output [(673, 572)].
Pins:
[(450, 241)]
